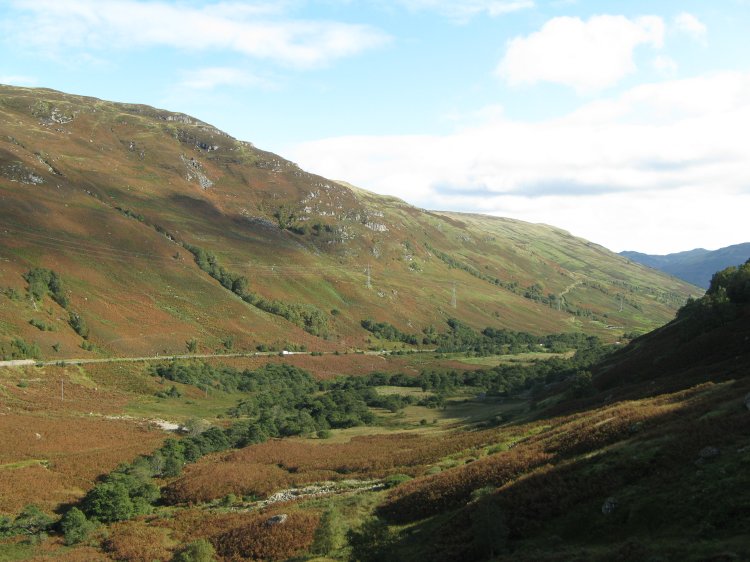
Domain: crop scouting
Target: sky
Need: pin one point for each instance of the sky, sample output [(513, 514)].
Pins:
[(626, 122)]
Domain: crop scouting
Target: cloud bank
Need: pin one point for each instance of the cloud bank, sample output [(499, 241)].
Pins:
[(670, 155), (254, 30)]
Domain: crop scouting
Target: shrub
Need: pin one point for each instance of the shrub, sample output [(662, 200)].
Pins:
[(75, 526), (40, 325), (396, 479), (22, 350), (78, 324), (32, 521), (43, 282), (197, 551)]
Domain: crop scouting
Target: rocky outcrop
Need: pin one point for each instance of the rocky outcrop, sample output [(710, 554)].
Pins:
[(195, 171)]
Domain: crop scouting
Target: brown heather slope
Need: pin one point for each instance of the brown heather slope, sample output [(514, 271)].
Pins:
[(67, 163)]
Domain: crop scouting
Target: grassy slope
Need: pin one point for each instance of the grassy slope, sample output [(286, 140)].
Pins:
[(639, 440), (665, 437), (141, 293)]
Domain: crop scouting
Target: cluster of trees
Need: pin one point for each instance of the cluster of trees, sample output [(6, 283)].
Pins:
[(201, 374), (307, 316), (41, 325), (491, 341), (727, 295), (732, 283), (503, 380), (363, 387), (285, 400), (389, 332), (43, 282), (281, 399), (32, 521), (20, 349), (130, 490), (462, 338)]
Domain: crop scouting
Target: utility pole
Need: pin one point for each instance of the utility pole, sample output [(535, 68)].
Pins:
[(453, 296), (621, 302), (368, 284), (62, 390)]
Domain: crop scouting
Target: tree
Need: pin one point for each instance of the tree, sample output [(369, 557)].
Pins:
[(109, 501), (75, 526), (196, 551), (192, 345)]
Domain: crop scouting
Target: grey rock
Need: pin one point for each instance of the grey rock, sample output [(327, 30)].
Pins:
[(279, 519), (609, 505), (709, 452)]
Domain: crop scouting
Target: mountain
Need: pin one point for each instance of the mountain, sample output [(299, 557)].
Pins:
[(150, 229), (694, 266)]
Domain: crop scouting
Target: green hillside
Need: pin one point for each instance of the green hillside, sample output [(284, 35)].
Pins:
[(164, 230)]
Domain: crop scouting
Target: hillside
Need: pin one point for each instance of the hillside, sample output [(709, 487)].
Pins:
[(635, 454), (694, 266), (162, 230)]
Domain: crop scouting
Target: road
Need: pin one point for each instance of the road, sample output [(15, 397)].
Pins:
[(32, 362)]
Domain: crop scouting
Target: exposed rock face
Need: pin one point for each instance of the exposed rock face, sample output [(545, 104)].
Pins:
[(195, 171), (377, 227), (279, 519), (709, 452), (17, 172), (609, 506)]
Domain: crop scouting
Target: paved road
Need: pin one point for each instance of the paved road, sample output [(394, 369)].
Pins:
[(27, 362)]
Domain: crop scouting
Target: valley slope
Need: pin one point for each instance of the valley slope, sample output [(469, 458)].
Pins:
[(113, 197)]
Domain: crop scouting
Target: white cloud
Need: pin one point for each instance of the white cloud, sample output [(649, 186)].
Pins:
[(214, 77), (665, 65), (662, 167), (692, 26), (466, 9), (18, 80), (585, 55), (253, 30)]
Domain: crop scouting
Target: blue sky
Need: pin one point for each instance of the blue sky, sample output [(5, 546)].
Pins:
[(622, 121)]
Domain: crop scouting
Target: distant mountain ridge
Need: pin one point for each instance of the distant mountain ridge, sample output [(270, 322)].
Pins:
[(694, 266)]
